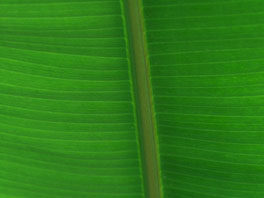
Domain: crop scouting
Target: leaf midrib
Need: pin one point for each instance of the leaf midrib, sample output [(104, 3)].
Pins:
[(138, 54)]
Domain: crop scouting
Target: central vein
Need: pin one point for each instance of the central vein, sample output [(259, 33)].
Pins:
[(143, 95)]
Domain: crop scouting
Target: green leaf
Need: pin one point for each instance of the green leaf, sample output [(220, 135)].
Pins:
[(131, 99)]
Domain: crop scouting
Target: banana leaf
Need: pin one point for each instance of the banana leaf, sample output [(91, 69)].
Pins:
[(131, 99)]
